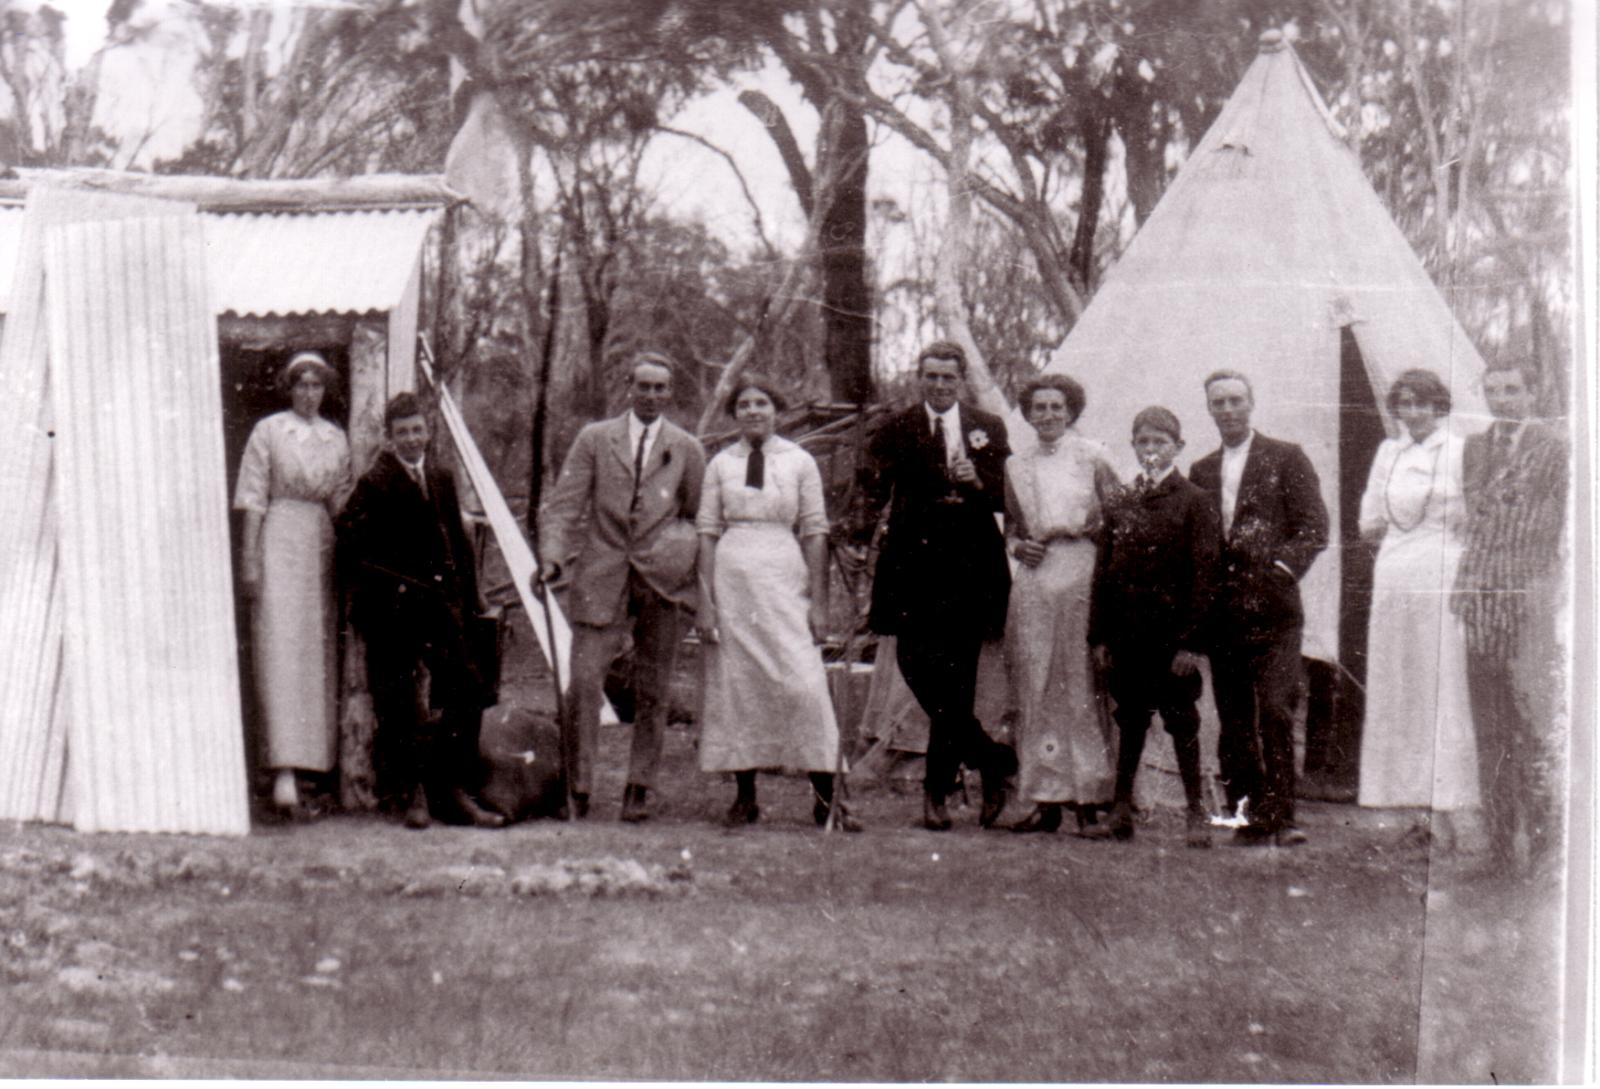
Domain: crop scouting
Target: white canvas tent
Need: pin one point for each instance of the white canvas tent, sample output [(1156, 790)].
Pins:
[(1267, 246)]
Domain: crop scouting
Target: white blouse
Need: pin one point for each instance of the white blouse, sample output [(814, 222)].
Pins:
[(288, 457), (791, 494), (1057, 491), (1415, 487)]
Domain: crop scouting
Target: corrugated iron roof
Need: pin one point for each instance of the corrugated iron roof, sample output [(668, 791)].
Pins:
[(288, 263)]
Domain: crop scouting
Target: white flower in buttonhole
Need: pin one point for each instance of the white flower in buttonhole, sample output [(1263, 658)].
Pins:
[(685, 855), (977, 438), (934, 857)]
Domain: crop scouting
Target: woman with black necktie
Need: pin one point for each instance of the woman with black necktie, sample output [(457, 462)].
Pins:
[(763, 579)]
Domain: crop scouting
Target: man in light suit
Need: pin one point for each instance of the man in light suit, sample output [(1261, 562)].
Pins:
[(1515, 480), (942, 582), (635, 481), (1274, 523)]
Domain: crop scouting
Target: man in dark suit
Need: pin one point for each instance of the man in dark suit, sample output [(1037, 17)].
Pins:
[(942, 580), (405, 556), (1274, 523), (1514, 476), (1153, 580)]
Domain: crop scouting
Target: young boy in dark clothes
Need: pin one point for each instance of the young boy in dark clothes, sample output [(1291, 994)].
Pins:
[(1152, 590)]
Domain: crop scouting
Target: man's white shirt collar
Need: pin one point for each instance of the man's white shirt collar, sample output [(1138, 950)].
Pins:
[(1154, 480), (1240, 452), (637, 427)]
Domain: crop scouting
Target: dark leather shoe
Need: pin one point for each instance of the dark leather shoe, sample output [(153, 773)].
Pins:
[(741, 813), (476, 815), (935, 817), (994, 798), (1044, 818), (634, 806), (1122, 821), (1197, 830), (1251, 835), (417, 814), (1290, 837)]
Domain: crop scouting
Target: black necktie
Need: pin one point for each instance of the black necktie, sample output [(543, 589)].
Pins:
[(638, 466), (415, 472), (755, 469), (938, 440)]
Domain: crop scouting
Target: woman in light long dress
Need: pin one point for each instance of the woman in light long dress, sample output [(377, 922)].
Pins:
[(1055, 491), (763, 579), (1417, 746), (294, 477)]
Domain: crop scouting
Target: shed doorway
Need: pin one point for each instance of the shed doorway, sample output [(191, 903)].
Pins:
[(249, 392)]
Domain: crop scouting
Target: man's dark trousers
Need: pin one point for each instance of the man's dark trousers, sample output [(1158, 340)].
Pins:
[(941, 669), (1257, 684)]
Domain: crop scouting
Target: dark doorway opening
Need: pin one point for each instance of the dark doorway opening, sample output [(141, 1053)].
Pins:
[(1337, 692), (249, 392)]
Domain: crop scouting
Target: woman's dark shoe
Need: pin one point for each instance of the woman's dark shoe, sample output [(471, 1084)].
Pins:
[(741, 813), (1197, 829), (935, 817), (1089, 827), (1044, 818)]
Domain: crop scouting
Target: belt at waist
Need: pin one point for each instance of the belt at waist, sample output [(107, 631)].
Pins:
[(1061, 536), (291, 502)]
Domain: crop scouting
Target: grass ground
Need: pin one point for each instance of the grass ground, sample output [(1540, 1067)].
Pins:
[(676, 949)]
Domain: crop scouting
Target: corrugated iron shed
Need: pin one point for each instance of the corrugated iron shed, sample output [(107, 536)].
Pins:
[(291, 247), (312, 262), (286, 263)]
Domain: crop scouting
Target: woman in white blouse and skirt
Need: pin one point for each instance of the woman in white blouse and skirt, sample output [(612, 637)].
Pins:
[(1055, 491), (294, 477), (763, 580), (1417, 747)]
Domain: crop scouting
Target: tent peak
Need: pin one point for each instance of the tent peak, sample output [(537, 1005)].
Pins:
[(1272, 40)]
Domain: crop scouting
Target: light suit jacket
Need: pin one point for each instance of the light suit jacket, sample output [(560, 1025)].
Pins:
[(657, 539)]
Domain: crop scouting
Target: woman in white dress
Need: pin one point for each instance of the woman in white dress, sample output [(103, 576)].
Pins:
[(1055, 492), (294, 477), (1417, 746), (763, 581)]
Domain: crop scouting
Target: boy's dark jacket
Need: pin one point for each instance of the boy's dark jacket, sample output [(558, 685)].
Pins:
[(1156, 569)]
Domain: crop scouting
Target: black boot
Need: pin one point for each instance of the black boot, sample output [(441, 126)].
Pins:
[(744, 809)]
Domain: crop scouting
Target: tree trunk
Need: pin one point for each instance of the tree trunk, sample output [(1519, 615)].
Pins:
[(846, 299), (1096, 131)]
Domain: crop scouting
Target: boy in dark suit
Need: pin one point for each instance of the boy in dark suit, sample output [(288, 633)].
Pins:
[(403, 552), (1152, 591), (942, 580)]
